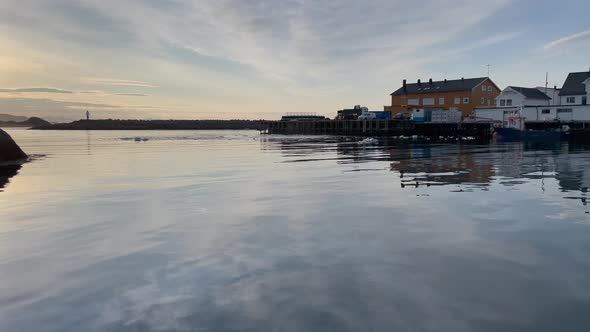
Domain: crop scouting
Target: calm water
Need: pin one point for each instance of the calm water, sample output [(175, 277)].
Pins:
[(231, 231)]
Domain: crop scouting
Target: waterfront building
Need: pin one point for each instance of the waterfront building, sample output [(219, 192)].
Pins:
[(519, 96), (463, 95), (568, 104), (576, 89)]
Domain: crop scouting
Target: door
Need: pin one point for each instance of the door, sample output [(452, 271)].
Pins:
[(564, 114)]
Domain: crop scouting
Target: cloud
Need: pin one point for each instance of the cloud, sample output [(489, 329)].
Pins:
[(256, 55), (132, 94), (112, 81), (575, 39), (35, 90)]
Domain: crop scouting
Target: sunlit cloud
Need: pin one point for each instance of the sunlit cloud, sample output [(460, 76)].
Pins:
[(35, 90), (575, 39), (132, 94), (110, 81), (258, 56)]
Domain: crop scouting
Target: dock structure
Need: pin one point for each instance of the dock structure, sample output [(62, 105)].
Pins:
[(479, 131)]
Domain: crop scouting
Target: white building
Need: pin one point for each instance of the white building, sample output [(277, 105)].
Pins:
[(552, 93), (519, 96), (576, 89), (570, 103)]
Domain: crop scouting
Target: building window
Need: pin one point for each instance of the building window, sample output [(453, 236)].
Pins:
[(414, 102), (564, 110), (483, 88), (483, 101), (457, 101), (489, 88), (570, 100), (502, 102), (465, 100), (441, 101), (545, 111), (489, 102), (428, 101), (508, 102)]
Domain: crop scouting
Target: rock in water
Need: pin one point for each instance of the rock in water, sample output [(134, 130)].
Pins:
[(9, 150)]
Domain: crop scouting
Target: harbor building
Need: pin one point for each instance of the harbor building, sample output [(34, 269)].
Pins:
[(463, 95), (576, 89), (519, 96), (568, 104)]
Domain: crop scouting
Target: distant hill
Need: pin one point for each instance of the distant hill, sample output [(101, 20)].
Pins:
[(13, 118), (30, 122), (154, 125)]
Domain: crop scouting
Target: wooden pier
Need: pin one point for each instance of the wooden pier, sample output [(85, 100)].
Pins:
[(479, 131)]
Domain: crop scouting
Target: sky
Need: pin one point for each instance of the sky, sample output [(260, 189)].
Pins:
[(252, 59)]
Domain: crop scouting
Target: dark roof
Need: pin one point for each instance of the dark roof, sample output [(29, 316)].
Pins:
[(530, 92), (573, 84), (440, 86)]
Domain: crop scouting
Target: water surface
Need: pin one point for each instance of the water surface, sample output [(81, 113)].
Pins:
[(232, 231)]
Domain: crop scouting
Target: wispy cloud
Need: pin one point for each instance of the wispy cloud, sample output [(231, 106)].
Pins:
[(132, 94), (575, 39), (112, 81), (35, 90)]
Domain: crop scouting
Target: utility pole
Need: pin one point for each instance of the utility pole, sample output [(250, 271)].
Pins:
[(546, 84)]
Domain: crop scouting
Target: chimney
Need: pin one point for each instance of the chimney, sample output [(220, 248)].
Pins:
[(430, 81), (419, 83), (555, 87), (462, 79), (405, 89), (445, 80)]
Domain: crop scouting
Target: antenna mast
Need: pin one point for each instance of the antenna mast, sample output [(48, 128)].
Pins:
[(546, 84)]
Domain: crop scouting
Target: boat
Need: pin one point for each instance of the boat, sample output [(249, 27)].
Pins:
[(515, 134), (516, 131)]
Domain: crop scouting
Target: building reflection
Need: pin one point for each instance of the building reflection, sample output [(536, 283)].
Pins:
[(468, 166), (442, 165)]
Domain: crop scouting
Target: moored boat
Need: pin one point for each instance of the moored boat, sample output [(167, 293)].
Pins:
[(515, 134)]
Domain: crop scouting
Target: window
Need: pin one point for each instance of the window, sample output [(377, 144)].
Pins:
[(508, 102), (502, 102), (564, 110), (457, 101), (570, 100), (465, 100), (428, 101), (545, 111), (441, 101), (489, 102), (414, 102), (484, 88), (489, 88), (483, 100)]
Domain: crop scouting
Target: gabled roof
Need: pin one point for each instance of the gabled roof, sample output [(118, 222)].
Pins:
[(530, 93), (440, 86), (573, 84)]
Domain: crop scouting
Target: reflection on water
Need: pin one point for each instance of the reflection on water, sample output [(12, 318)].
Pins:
[(232, 231)]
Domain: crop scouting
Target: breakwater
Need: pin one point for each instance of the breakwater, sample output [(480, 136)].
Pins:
[(479, 131), (110, 124)]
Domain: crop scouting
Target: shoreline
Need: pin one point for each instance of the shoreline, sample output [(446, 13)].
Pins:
[(155, 125)]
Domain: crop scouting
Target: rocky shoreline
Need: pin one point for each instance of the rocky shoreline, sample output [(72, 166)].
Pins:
[(9, 150)]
